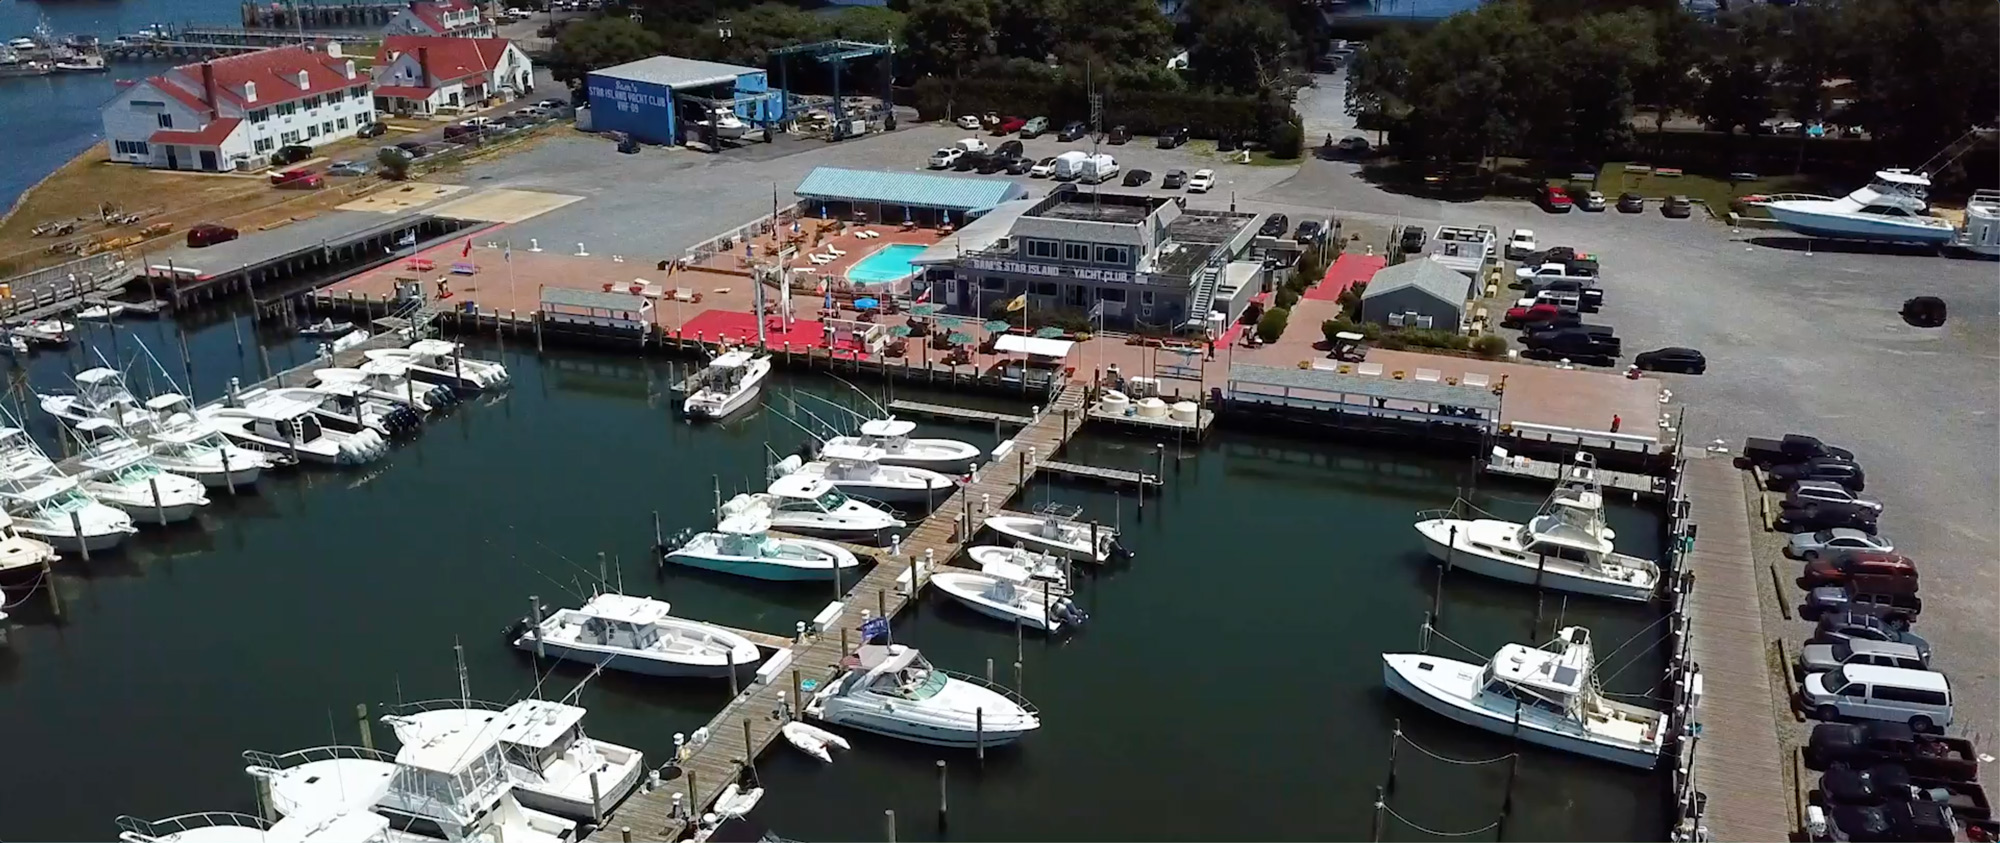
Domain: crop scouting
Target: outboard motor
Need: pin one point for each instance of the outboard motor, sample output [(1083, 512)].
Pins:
[(1065, 610), (441, 396)]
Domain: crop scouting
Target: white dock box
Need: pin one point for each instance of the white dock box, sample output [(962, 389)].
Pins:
[(774, 666), (828, 616)]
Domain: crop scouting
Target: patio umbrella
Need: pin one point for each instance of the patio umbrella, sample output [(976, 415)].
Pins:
[(900, 331), (1048, 333), (957, 338), (865, 304), (925, 309), (996, 325)]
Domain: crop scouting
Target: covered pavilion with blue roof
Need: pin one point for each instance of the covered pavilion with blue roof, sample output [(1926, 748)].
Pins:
[(891, 197)]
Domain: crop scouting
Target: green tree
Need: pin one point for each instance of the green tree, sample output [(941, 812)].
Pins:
[(1025, 28), (593, 43), (1924, 73), (393, 163), (1113, 32), (1271, 325), (947, 36), (756, 31), (1738, 72), (1240, 46), (1378, 80), (1606, 54), (874, 24), (1670, 84)]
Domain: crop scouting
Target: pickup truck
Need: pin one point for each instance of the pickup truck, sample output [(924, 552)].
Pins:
[(1789, 449), (1556, 269), (1588, 297)]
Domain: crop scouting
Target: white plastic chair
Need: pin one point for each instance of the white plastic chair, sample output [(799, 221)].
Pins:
[(1429, 375), (1373, 370), (1476, 379)]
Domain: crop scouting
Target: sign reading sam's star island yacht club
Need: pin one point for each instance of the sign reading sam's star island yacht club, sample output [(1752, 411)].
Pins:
[(1114, 276)]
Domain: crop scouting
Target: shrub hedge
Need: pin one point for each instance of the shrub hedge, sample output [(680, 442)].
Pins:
[(1272, 325)]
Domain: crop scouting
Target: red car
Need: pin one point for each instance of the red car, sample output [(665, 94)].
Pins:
[(1008, 125), (289, 175), (1555, 199), (208, 234), (306, 181), (1883, 573), (1536, 314)]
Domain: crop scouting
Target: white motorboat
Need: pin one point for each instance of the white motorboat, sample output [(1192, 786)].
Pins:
[(347, 341), (288, 425), (892, 691), (326, 328), (553, 765), (51, 507), (356, 826), (322, 779), (101, 312), (1055, 529), (190, 447), (443, 362), (858, 470), (21, 558), (1007, 592), (813, 506), (813, 740), (741, 544), (124, 474), (16, 345), (1892, 208), (451, 786), (1546, 696), (637, 635), (893, 437), (349, 408), (46, 331), (730, 383), (100, 394), (390, 380), (1040, 565), (1566, 546), (724, 121)]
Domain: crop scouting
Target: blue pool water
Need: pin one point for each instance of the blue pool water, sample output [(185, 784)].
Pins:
[(889, 263)]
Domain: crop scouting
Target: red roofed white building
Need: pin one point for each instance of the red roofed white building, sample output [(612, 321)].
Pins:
[(447, 18), (232, 113), (425, 74)]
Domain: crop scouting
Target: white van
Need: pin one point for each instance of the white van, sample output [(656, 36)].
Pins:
[(1098, 169), (1921, 698), (1069, 165), (970, 144)]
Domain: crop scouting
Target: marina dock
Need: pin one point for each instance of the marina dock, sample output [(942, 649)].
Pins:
[(1638, 484), (947, 412), (739, 733), (1102, 474)]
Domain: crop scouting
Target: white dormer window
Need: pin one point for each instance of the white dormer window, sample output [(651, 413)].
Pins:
[(304, 82), (249, 92), (349, 68)]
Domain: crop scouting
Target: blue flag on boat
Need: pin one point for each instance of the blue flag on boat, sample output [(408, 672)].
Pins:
[(874, 628)]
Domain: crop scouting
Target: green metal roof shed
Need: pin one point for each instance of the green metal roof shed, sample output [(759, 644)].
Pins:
[(910, 190)]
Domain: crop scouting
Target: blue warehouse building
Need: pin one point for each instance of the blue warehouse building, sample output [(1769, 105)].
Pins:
[(656, 100)]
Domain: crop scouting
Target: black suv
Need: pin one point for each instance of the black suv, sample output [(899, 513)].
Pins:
[(1073, 130), (290, 155), (1275, 225), (1631, 203), (1574, 343), (1413, 239), (1118, 135), (1173, 137)]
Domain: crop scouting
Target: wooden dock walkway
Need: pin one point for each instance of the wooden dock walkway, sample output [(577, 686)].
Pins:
[(1101, 474), (1737, 763), (739, 733), (1644, 485), (945, 411)]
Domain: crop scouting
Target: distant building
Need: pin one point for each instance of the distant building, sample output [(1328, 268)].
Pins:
[(232, 113), (1149, 261), (444, 18), (427, 74), (1417, 293), (659, 100)]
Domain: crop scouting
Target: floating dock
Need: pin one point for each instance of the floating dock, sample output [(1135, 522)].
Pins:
[(903, 407), (1101, 474)]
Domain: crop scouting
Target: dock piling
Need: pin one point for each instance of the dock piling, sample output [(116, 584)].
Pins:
[(692, 805), (749, 749), (734, 691), (535, 612), (659, 542), (597, 800), (227, 476), (624, 834), (56, 600), (1019, 687), (159, 511), (1395, 742), (989, 671), (882, 611), (889, 824), (361, 720), (76, 529), (944, 806), (1375, 824), (979, 731), (798, 712)]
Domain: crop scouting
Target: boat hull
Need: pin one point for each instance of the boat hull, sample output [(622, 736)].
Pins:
[(892, 494), (922, 732), (611, 790), (753, 568), (1492, 721), (1463, 557), (166, 513), (1851, 227), (630, 662), (821, 529), (1028, 536), (215, 477), (68, 541), (717, 412), (967, 590)]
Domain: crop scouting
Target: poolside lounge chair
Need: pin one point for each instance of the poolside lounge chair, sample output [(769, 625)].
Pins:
[(820, 260), (1476, 379), (835, 252), (1428, 375), (1373, 370)]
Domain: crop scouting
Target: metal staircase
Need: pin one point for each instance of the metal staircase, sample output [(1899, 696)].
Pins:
[(1204, 295)]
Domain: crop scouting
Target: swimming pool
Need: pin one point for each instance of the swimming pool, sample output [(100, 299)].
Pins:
[(889, 263)]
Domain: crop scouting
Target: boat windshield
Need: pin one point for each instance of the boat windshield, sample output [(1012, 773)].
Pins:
[(72, 500), (832, 500), (138, 472), (912, 683)]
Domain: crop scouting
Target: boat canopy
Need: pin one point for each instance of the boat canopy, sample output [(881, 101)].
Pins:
[(626, 608), (751, 523), (168, 400), (801, 486), (1033, 346), (96, 376), (850, 452), (887, 428), (434, 348), (732, 360), (539, 723)]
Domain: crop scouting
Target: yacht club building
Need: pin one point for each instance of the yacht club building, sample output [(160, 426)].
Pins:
[(1151, 262)]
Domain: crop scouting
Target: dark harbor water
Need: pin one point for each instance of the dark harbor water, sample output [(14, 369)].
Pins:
[(1228, 685)]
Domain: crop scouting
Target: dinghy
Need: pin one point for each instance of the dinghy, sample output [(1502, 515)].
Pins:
[(326, 328), (1055, 529), (101, 312), (813, 740)]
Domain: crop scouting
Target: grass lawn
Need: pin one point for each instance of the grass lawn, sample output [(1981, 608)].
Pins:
[(1716, 191)]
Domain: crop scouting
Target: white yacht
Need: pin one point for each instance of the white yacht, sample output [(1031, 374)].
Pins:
[(858, 470), (550, 761), (1040, 565), (1056, 529), (124, 474), (1007, 592), (390, 380), (100, 394), (320, 780), (450, 786), (727, 125), (21, 557), (637, 635), (1891, 208), (741, 544), (729, 384), (444, 362), (813, 506), (190, 447), (357, 826), (51, 507), (893, 437), (288, 425), (349, 408), (1565, 547), (1547, 697), (893, 691)]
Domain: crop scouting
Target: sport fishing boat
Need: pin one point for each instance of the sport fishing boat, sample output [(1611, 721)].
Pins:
[(451, 786), (100, 394), (724, 121), (1566, 546), (729, 384), (443, 362), (51, 507), (349, 408), (892, 691), (1547, 696), (391, 380), (191, 447), (21, 557), (356, 826), (636, 635), (124, 474), (1007, 592), (813, 506), (1042, 566), (892, 435), (1892, 208), (289, 425), (741, 544), (858, 470), (550, 760), (1055, 529)]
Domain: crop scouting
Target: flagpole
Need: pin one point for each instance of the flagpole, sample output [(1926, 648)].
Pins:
[(507, 257)]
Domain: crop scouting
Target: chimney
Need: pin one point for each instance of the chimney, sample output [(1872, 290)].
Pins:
[(423, 67), (208, 88)]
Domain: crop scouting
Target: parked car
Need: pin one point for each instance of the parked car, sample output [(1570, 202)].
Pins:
[(1202, 181), (1020, 166), (552, 104), (1035, 127), (1631, 203), (1275, 226), (207, 234), (415, 149), (347, 168), (1677, 207), (1846, 473), (1118, 135), (290, 155), (1807, 492), (479, 122), (1520, 244), (1352, 145), (1835, 544), (1921, 698), (1686, 361), (1878, 568), (1309, 232), (309, 181), (1073, 130), (1826, 516), (1566, 255), (1843, 626), (1905, 822), (1413, 239), (1820, 658), (283, 176), (1572, 343), (1009, 125), (968, 121), (945, 157), (1540, 314), (971, 161), (372, 130), (1865, 744), (1885, 783), (1135, 178), (1765, 452), (460, 134), (1011, 149), (1894, 608), (970, 145), (1173, 137), (1043, 168), (1553, 198), (1592, 201)]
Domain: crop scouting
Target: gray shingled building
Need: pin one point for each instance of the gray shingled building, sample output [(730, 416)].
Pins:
[(1418, 293)]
